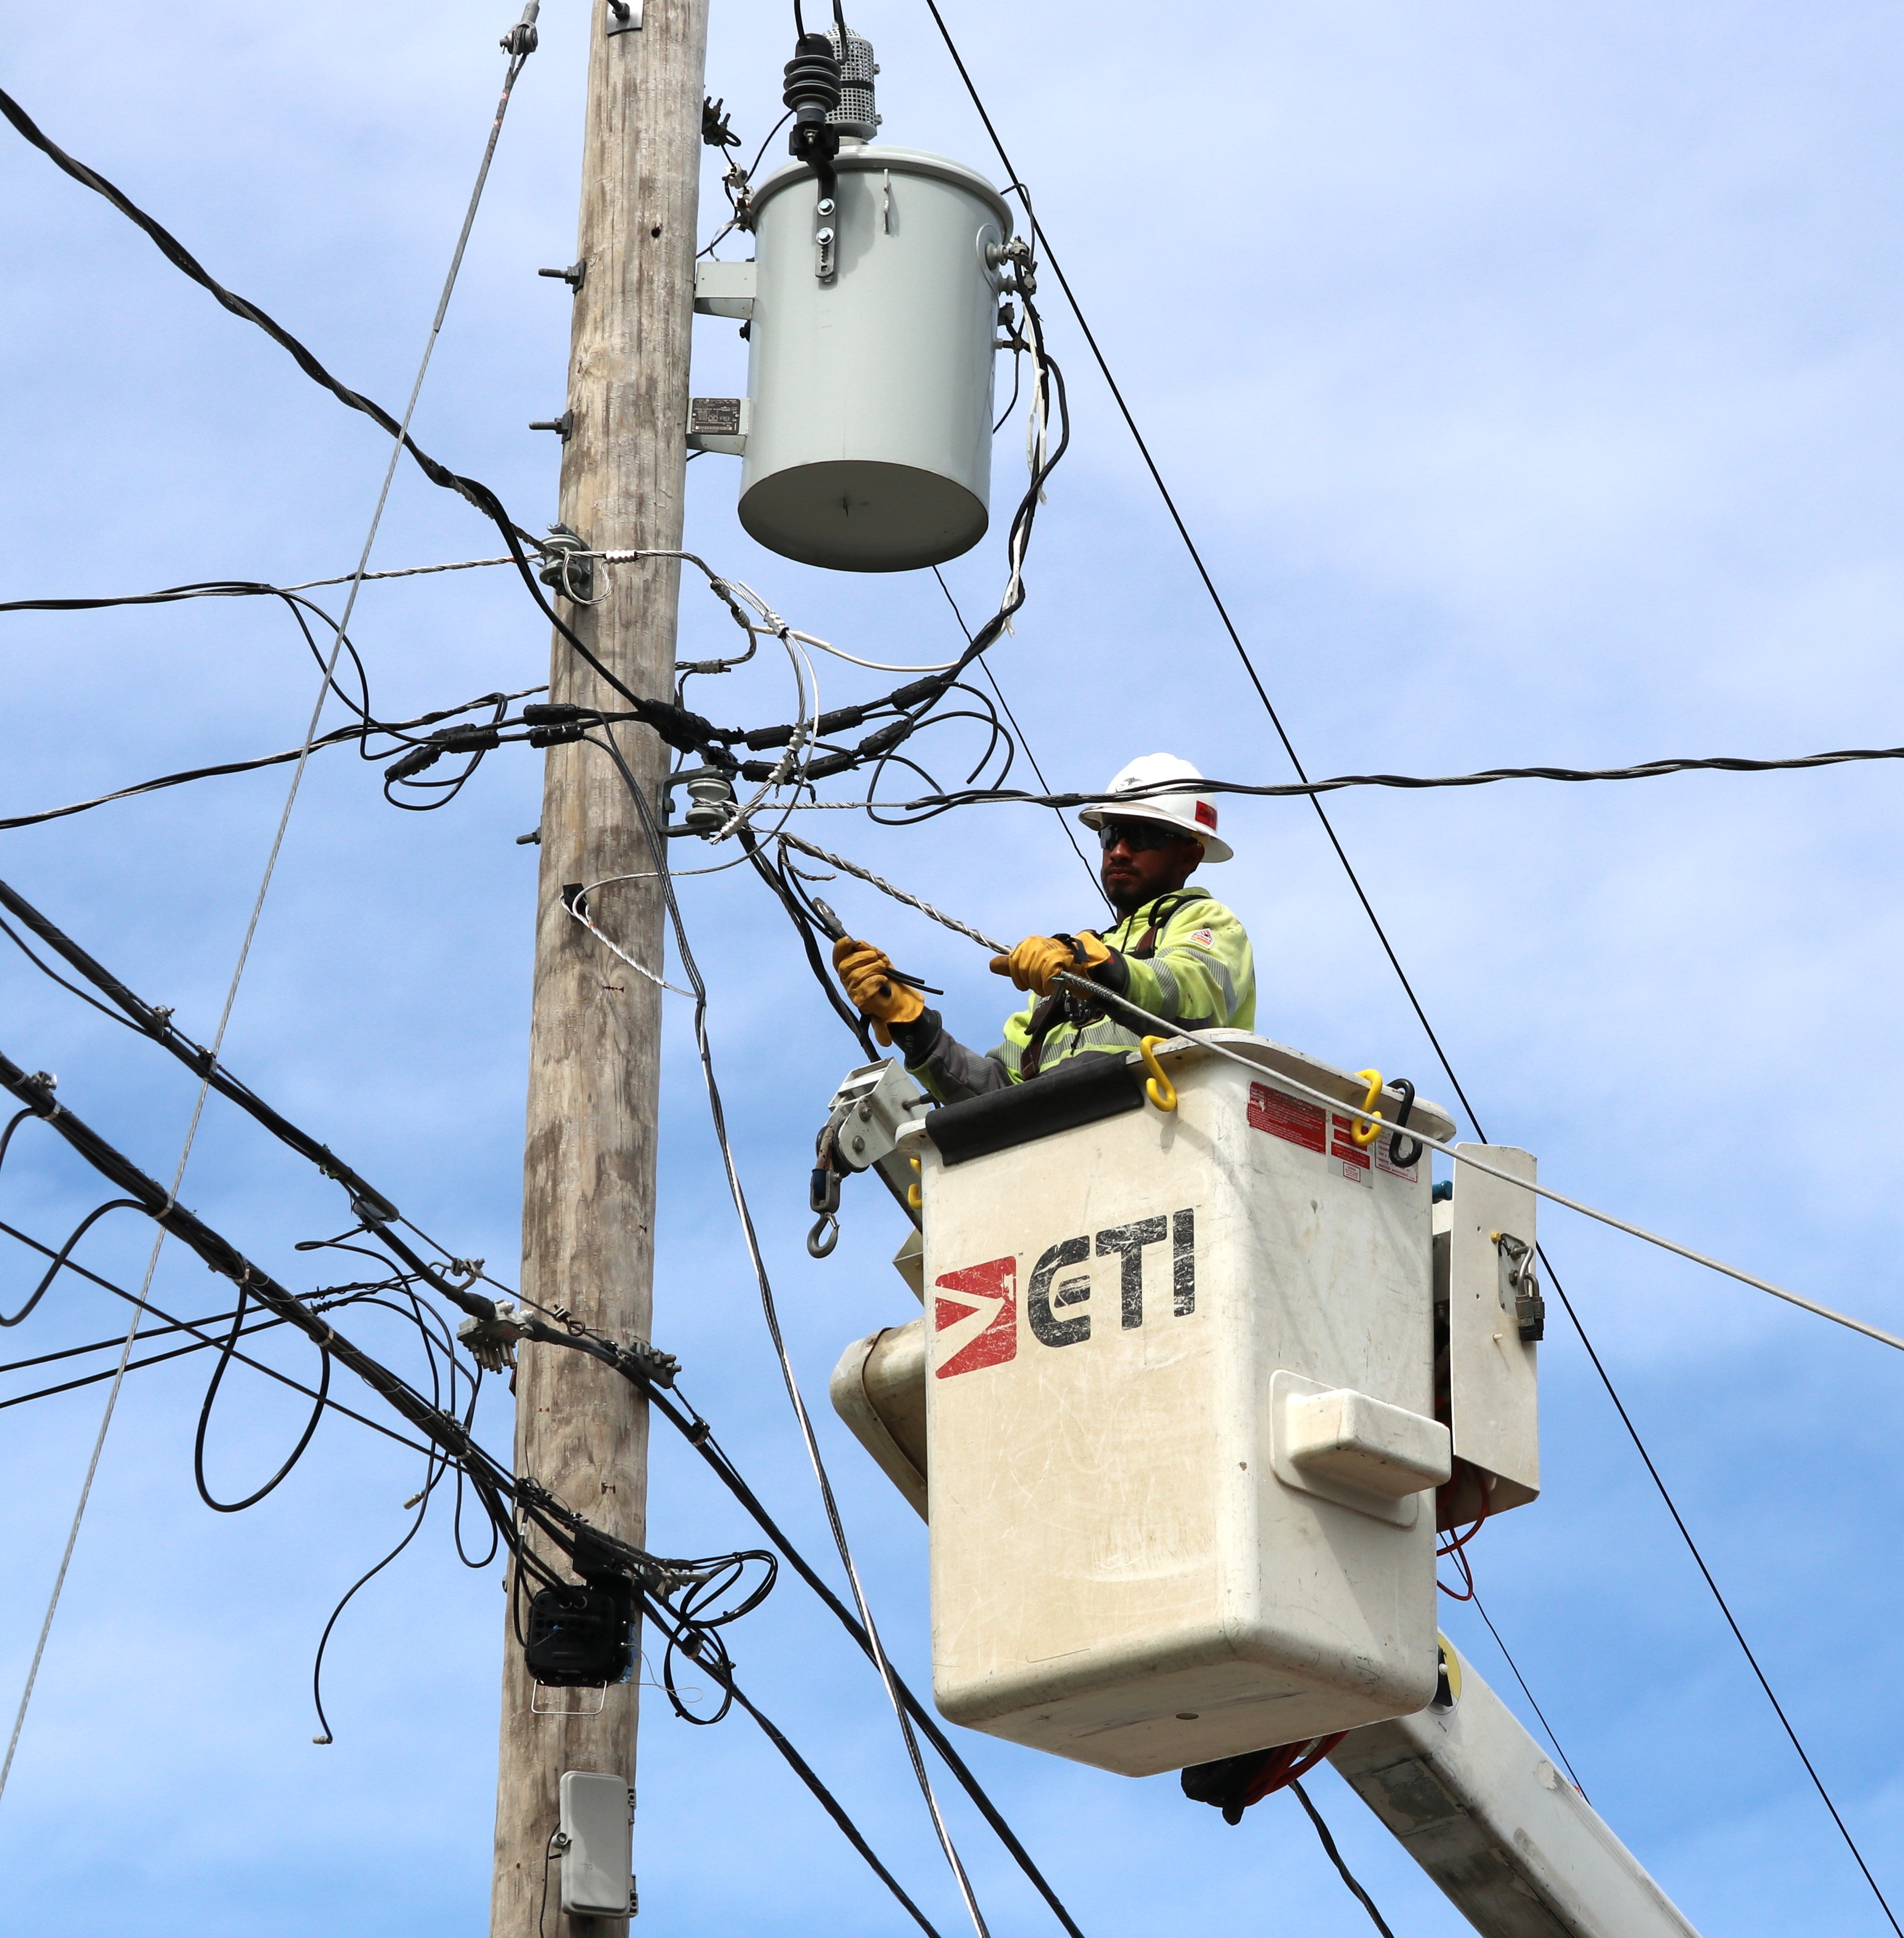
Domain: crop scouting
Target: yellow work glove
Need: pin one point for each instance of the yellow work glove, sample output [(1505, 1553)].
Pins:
[(866, 974), (1035, 963)]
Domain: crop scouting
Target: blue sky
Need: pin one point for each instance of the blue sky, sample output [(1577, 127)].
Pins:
[(1531, 382)]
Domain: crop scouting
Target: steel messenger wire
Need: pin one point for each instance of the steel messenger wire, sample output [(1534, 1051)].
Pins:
[(657, 849), (1162, 1026)]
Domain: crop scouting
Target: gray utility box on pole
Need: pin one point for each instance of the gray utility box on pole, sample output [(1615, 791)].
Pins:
[(868, 445)]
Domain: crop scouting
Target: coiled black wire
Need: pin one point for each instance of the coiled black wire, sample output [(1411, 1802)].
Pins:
[(204, 1420)]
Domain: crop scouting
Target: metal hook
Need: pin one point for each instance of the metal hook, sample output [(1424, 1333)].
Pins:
[(1157, 1086), (822, 1247)]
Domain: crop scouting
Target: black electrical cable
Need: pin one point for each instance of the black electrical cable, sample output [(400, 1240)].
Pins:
[(147, 1335), (181, 259), (205, 1421), (206, 1339), (985, 666), (435, 1465), (1335, 1858), (696, 1432), (198, 1345), (1778, 1708), (685, 731), (679, 729), (370, 1204), (927, 805), (231, 589), (699, 1435), (688, 1421), (1183, 532), (491, 1479), (335, 737), (803, 927), (1476, 1600), (65, 1252), (722, 1673), (539, 1510), (657, 849)]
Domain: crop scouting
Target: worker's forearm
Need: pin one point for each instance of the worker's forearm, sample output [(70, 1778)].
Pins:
[(948, 1070)]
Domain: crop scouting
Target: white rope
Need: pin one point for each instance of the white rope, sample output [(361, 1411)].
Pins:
[(1163, 1027)]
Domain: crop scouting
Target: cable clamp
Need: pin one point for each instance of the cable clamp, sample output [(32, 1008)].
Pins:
[(625, 17), (648, 1362), (522, 39), (492, 1342), (568, 566)]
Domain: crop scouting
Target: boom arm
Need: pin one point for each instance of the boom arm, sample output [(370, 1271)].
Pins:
[(1515, 1847)]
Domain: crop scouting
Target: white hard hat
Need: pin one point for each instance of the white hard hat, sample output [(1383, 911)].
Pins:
[(1183, 810)]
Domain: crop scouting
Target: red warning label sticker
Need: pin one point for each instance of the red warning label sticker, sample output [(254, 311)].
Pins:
[(1343, 1147), (1288, 1118)]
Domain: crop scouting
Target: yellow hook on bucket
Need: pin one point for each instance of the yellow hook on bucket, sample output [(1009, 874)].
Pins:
[(1157, 1086), (915, 1197), (1365, 1135)]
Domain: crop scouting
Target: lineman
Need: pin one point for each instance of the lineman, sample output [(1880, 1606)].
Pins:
[(1176, 951)]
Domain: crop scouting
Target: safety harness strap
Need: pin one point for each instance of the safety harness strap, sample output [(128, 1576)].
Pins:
[(1059, 1005)]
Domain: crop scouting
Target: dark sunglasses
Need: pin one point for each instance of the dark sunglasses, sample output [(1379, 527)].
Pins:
[(1137, 836)]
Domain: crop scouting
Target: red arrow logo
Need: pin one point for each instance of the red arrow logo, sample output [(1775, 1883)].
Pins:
[(979, 1308)]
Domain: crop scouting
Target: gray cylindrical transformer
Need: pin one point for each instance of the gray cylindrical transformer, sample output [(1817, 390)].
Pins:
[(869, 448)]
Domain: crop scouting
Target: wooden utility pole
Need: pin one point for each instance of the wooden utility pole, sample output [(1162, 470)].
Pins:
[(588, 1173)]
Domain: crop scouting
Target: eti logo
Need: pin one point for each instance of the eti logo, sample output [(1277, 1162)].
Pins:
[(977, 1306)]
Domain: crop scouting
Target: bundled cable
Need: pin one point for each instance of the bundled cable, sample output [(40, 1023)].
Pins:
[(528, 1517)]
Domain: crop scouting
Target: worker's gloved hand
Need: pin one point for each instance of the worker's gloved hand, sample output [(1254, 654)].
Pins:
[(866, 974), (1036, 961)]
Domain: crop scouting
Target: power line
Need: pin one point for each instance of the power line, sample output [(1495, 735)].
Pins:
[(337, 737), (991, 679), (723, 1674), (684, 731), (508, 1499), (1739, 1634), (1476, 1600), (655, 1375), (1382, 936), (375, 1210), (699, 1435), (1335, 1858), (1730, 763)]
